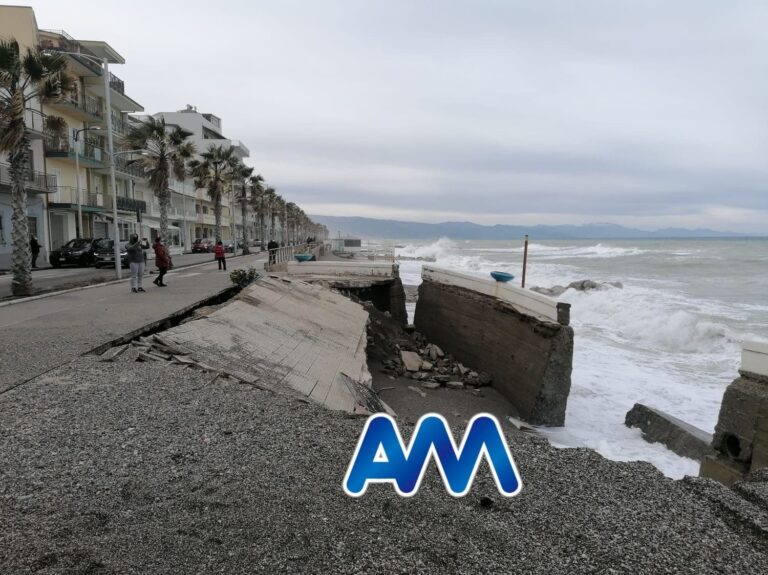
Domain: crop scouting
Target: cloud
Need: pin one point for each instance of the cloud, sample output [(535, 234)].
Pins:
[(492, 111)]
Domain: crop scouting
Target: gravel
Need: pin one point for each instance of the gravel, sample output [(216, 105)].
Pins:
[(130, 467)]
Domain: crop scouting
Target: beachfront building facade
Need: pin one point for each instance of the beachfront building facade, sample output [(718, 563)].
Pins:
[(192, 209), (82, 203), (19, 23), (69, 191)]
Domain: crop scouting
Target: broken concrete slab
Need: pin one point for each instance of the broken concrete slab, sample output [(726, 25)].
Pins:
[(455, 385), (309, 337), (430, 385), (411, 360), (677, 435)]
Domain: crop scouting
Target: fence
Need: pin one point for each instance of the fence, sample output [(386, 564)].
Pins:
[(285, 254)]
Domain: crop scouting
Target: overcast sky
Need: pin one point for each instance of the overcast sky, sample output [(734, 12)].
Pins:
[(638, 112)]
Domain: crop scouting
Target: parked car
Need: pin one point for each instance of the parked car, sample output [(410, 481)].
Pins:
[(229, 246), (105, 253), (202, 245), (79, 252)]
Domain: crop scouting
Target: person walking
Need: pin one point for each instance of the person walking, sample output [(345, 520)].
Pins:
[(34, 245), (272, 245), (162, 261), (137, 260), (220, 254)]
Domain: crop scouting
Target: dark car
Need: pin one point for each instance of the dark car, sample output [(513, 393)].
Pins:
[(105, 253), (202, 245), (79, 252), (229, 246)]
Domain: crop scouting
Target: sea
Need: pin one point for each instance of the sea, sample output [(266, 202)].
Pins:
[(669, 338)]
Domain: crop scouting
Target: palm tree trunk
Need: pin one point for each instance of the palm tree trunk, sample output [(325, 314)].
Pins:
[(21, 261), (163, 196), (243, 213), (261, 228), (217, 214), (272, 226)]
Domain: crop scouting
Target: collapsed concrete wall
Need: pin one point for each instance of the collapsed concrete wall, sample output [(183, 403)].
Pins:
[(659, 427), (513, 337), (741, 434)]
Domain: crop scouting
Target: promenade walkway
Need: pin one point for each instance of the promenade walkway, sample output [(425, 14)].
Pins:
[(39, 334)]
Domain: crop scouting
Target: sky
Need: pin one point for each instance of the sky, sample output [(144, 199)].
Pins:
[(643, 113)]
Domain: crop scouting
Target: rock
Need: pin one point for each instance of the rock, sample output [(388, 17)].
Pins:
[(426, 366), (455, 385), (484, 378), (462, 370), (442, 378), (417, 390), (411, 360), (473, 374), (430, 385), (387, 314), (432, 353)]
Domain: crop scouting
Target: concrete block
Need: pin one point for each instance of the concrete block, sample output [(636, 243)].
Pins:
[(677, 435), (411, 360), (722, 469), (754, 357), (743, 406)]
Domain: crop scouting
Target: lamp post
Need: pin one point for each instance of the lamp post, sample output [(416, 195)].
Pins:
[(77, 179)]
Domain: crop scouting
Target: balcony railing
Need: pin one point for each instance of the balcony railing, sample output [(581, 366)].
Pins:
[(82, 103), (126, 166), (65, 43), (33, 180), (116, 83), (119, 126), (34, 120)]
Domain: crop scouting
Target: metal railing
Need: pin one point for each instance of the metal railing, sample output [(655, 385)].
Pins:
[(119, 126), (286, 253), (116, 84), (34, 120), (87, 104), (66, 43), (33, 180), (126, 166)]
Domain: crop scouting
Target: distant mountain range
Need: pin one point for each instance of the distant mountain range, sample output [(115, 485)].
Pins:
[(393, 229)]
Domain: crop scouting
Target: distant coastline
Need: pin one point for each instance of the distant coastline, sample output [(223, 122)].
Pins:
[(395, 229)]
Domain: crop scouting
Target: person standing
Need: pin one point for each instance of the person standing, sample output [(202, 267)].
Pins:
[(136, 259), (162, 261), (220, 254), (272, 245), (34, 245)]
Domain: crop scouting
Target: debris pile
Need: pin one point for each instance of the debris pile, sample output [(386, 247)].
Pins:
[(413, 357)]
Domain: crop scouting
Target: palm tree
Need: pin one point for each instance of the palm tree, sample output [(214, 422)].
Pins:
[(214, 173), (241, 177), (258, 193), (166, 151), (33, 76), (277, 211)]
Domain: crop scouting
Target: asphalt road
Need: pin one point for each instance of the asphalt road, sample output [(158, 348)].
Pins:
[(49, 279)]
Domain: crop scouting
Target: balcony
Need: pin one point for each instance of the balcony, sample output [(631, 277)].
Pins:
[(35, 122), (116, 84), (60, 147), (34, 182), (81, 106), (129, 167), (66, 197), (119, 126)]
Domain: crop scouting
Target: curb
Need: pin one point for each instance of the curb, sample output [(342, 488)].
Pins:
[(91, 286)]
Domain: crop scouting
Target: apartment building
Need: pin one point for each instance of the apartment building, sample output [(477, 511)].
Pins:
[(87, 211), (66, 202), (193, 209), (19, 23)]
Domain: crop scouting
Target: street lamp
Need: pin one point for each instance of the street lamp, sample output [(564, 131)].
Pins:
[(108, 103), (77, 179)]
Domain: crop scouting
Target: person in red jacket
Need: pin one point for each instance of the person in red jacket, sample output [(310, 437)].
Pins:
[(162, 261), (220, 255)]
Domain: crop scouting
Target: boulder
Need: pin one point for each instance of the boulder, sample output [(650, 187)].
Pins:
[(411, 360), (426, 366), (430, 385), (455, 385)]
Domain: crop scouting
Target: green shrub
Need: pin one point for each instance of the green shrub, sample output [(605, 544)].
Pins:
[(243, 277)]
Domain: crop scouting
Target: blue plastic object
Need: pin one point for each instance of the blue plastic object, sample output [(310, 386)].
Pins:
[(303, 257), (502, 276)]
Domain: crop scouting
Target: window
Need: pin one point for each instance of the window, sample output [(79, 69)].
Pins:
[(32, 224), (205, 209), (2, 229), (198, 209)]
